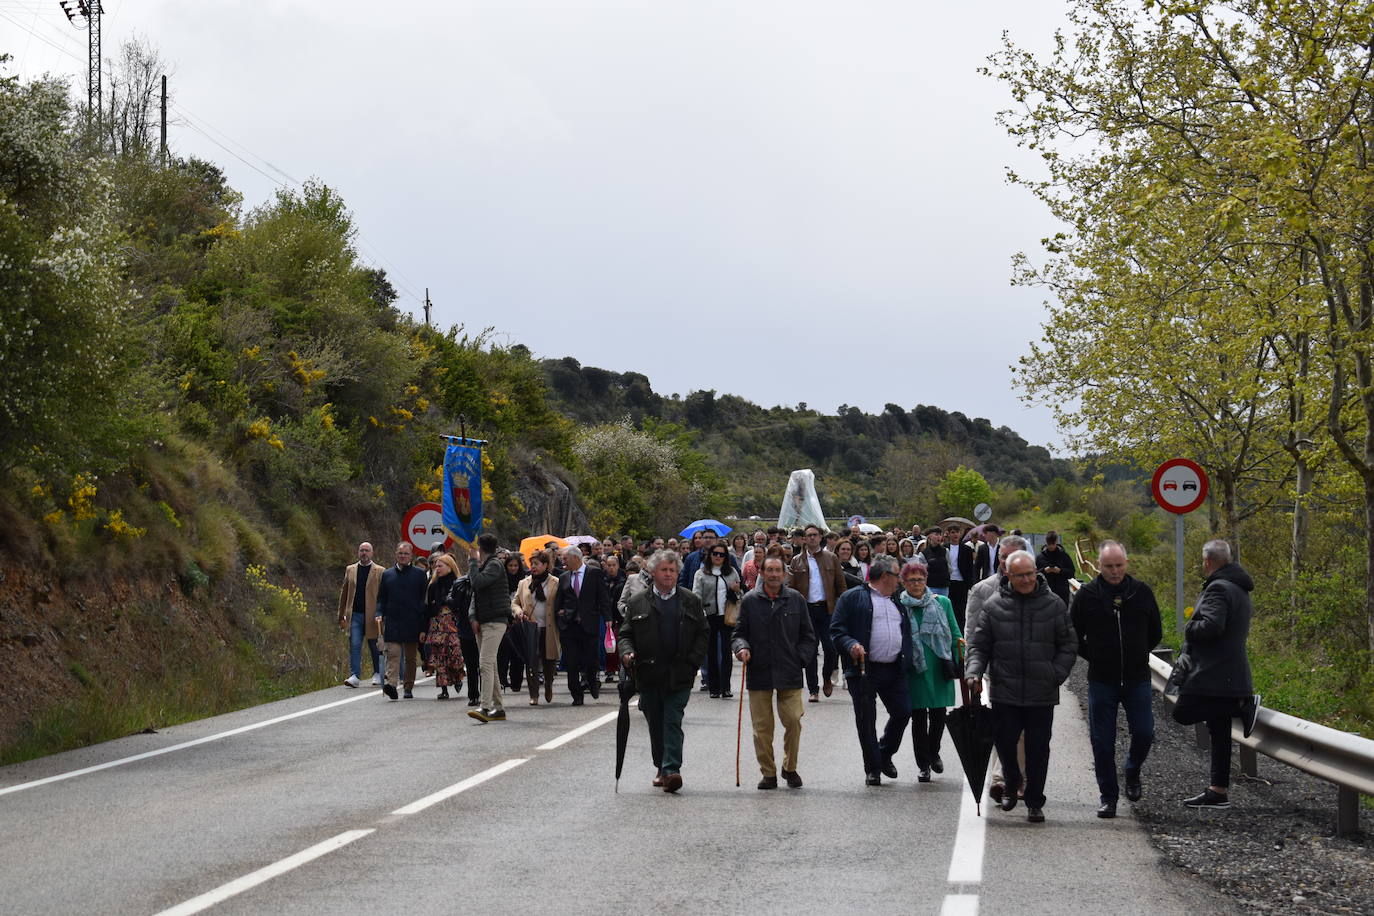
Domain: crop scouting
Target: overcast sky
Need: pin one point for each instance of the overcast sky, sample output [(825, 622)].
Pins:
[(789, 201)]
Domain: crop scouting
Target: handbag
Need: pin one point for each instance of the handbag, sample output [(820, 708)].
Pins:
[(951, 669), (731, 613), (1178, 676)]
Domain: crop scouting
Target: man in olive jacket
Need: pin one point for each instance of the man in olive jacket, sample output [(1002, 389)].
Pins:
[(1217, 686), (1116, 620), (774, 638), (1026, 645), (663, 643)]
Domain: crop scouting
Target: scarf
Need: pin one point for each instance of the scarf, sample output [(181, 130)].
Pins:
[(929, 623)]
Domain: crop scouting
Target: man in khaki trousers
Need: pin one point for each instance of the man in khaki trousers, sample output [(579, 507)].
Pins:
[(773, 637)]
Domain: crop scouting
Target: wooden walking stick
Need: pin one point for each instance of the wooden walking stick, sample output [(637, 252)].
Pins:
[(739, 727)]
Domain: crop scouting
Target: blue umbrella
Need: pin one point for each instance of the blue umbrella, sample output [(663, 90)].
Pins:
[(720, 528)]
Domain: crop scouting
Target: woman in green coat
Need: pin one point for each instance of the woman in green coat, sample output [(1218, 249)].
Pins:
[(938, 643)]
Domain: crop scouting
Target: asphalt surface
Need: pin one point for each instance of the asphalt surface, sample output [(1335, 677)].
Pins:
[(550, 834)]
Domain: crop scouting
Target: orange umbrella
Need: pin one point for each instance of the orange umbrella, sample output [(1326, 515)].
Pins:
[(529, 545)]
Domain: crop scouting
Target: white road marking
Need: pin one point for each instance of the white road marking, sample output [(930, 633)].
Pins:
[(417, 806), (33, 784), (577, 732), (960, 905), (966, 863), (253, 879)]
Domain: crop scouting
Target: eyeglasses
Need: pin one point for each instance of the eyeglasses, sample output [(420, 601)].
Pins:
[(717, 554)]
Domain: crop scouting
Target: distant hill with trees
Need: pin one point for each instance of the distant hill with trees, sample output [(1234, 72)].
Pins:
[(886, 464)]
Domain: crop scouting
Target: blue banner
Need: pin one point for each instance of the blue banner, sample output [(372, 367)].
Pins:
[(463, 492)]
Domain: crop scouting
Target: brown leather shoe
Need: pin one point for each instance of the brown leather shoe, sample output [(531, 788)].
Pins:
[(793, 778), (548, 693), (672, 782), (828, 688)]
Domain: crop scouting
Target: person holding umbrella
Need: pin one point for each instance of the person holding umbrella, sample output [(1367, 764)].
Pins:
[(874, 636), (774, 632), (662, 643), (936, 657), (1026, 642)]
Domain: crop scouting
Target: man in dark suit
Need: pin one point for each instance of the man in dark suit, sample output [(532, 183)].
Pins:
[(987, 560), (583, 601), (960, 571), (873, 634)]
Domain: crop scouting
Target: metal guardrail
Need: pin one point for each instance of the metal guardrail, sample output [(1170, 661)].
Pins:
[(1338, 757)]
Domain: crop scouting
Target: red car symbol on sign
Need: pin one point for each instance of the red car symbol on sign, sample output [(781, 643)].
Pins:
[(1170, 485), (418, 529)]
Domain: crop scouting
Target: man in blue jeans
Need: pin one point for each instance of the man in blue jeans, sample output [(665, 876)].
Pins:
[(1117, 622), (357, 607)]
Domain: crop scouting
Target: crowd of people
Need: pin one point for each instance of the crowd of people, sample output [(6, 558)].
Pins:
[(906, 616)]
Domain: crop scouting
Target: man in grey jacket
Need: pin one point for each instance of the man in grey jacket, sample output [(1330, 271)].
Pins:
[(1217, 686), (1027, 645), (774, 632)]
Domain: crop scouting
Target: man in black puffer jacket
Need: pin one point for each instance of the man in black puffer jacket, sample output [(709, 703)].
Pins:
[(1216, 687), (1116, 620), (1026, 645)]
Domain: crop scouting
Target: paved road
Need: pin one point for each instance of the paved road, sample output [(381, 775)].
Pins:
[(548, 834)]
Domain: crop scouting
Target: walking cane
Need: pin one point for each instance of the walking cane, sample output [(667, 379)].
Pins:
[(739, 727)]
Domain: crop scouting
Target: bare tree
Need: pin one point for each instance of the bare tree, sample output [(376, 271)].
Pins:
[(133, 84)]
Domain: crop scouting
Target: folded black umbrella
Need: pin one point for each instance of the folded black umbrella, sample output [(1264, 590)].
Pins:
[(626, 687), (970, 728)]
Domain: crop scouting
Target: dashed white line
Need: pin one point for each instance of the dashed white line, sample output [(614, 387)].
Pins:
[(416, 807), (577, 732), (960, 905), (966, 862), (267, 873), (35, 783)]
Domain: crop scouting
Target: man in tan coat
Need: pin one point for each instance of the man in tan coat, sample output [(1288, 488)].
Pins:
[(357, 613), (818, 575)]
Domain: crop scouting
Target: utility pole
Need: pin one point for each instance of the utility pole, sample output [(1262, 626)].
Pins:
[(163, 147), (427, 306), (91, 11)]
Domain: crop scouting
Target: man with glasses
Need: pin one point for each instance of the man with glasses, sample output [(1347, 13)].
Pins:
[(1025, 641), (817, 574), (875, 636)]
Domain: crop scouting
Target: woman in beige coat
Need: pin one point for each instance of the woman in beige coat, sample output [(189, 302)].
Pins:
[(536, 600)]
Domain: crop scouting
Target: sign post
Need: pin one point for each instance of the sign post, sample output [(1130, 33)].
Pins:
[(1180, 487)]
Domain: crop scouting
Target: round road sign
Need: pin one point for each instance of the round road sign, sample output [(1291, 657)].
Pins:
[(423, 525), (982, 512), (1179, 486)]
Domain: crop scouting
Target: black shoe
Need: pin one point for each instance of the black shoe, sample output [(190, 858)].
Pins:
[(1037, 816), (577, 701), (1008, 801), (595, 688), (995, 792), (1106, 809), (937, 764), (496, 715), (474, 701), (728, 695), (481, 715), (793, 779), (715, 696), (768, 782), (1249, 714), (1133, 786), (873, 779), (704, 688), (1208, 799), (408, 695), (610, 679), (443, 694), (389, 690), (923, 775), (889, 769)]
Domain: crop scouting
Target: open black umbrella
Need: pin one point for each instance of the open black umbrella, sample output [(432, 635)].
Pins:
[(626, 686), (970, 728)]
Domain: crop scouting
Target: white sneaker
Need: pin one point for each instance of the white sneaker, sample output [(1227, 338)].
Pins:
[(377, 679), (352, 681)]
